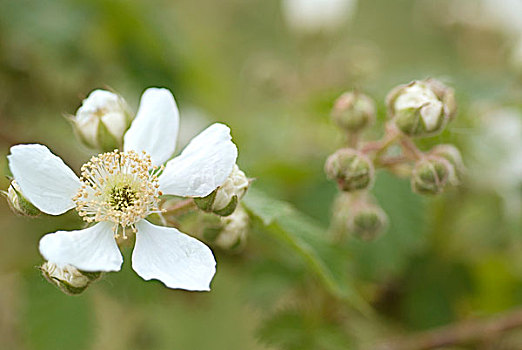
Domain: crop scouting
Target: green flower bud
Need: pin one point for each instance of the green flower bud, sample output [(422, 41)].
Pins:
[(452, 155), (224, 200), (18, 203), (351, 169), (421, 108), (353, 111), (68, 279), (367, 222), (431, 175), (102, 120)]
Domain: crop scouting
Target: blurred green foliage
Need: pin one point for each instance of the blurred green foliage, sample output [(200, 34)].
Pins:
[(443, 259)]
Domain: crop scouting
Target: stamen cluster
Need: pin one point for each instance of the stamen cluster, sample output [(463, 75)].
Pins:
[(119, 187)]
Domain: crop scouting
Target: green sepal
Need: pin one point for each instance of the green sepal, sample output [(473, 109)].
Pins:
[(107, 142), (68, 289), (27, 207), (205, 203), (92, 276), (229, 209)]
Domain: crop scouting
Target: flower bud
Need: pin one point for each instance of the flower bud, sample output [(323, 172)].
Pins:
[(235, 229), (224, 200), (431, 175), (367, 222), (452, 155), (353, 111), (68, 279), (421, 108), (102, 120), (18, 203), (351, 169)]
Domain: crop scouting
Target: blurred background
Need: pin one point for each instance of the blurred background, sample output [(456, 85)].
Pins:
[(271, 70)]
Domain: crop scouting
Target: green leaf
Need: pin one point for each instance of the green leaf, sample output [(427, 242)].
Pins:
[(304, 236)]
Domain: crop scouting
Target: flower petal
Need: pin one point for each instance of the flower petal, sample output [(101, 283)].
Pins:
[(203, 165), (174, 258), (92, 249), (44, 178), (155, 128)]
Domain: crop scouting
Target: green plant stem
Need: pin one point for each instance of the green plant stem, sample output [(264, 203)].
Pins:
[(391, 161), (380, 146), (352, 139)]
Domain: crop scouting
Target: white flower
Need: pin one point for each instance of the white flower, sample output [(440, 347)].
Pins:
[(316, 15), (117, 190), (102, 120)]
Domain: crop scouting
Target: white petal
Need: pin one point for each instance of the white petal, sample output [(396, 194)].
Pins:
[(155, 128), (174, 258), (92, 249), (203, 165), (44, 178)]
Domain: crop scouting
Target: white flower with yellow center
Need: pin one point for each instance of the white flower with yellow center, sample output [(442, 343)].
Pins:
[(118, 190)]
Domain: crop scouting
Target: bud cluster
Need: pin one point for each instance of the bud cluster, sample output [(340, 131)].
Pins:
[(419, 109)]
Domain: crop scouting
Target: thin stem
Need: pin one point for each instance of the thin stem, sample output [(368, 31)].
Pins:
[(391, 135), (458, 333), (391, 161), (352, 139), (410, 149)]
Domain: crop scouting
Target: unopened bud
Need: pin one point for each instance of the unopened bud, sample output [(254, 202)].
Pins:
[(235, 229), (421, 108), (452, 155), (353, 111), (102, 120), (68, 279), (224, 200), (351, 169), (18, 203), (367, 222), (431, 175)]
